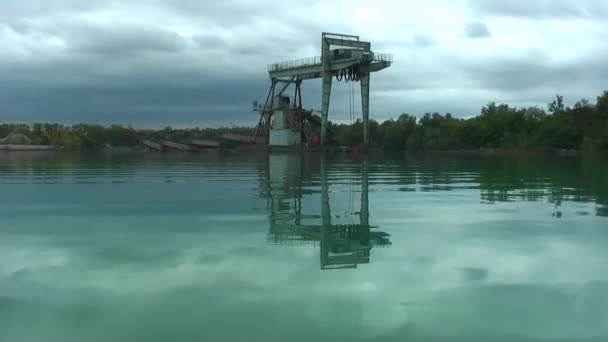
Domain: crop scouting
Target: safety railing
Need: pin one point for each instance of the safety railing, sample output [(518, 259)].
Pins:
[(383, 57), (315, 61), (298, 63)]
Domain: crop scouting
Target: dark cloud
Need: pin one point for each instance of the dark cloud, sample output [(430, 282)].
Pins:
[(159, 62), (477, 30), (152, 105), (125, 69)]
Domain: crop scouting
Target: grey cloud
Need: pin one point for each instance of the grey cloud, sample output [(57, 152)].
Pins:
[(153, 105), (532, 79), (413, 41), (209, 41), (207, 61), (477, 30), (286, 41), (234, 49), (227, 13), (124, 40), (543, 8), (423, 40), (113, 38), (14, 9), (534, 71)]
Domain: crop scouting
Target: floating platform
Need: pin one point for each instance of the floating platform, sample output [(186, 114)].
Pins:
[(242, 143), (242, 138), (152, 145), (176, 146)]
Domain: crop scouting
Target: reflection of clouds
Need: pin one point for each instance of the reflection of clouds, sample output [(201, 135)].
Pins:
[(217, 268), (542, 260), (474, 274), (22, 260), (201, 267), (518, 310), (284, 285)]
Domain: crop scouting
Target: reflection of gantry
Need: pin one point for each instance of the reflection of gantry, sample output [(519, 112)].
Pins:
[(342, 245), (352, 60)]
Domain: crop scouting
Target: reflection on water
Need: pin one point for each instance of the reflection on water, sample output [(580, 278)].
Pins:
[(342, 245), (190, 247), (558, 181)]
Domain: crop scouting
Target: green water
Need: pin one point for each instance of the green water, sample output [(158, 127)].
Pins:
[(290, 247)]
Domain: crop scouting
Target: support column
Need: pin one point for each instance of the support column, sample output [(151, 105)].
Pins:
[(326, 88), (300, 94), (365, 106), (297, 101)]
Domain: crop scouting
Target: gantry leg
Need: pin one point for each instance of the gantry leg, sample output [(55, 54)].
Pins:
[(326, 89), (365, 106), (266, 112)]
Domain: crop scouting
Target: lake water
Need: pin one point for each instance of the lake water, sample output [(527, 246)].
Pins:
[(300, 247)]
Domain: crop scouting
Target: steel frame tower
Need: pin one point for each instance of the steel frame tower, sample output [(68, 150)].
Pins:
[(344, 57)]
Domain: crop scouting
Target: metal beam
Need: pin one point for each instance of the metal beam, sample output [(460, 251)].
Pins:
[(348, 43), (310, 76), (286, 85), (310, 72), (373, 67), (265, 109), (296, 71), (324, 34)]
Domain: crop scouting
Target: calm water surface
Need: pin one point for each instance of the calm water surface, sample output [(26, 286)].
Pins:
[(290, 247)]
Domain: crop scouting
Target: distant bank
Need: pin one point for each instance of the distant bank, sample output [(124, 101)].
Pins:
[(13, 147), (498, 129)]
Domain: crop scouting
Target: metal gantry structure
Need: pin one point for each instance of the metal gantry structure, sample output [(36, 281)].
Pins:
[(345, 57)]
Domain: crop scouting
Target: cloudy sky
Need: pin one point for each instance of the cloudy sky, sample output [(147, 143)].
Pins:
[(189, 62)]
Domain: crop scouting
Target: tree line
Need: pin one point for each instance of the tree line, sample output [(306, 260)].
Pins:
[(97, 136), (582, 126)]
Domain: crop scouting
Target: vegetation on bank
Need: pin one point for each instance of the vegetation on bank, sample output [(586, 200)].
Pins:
[(583, 126), (98, 136)]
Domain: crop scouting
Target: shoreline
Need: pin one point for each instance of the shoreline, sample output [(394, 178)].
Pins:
[(18, 148), (483, 151), (374, 150)]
